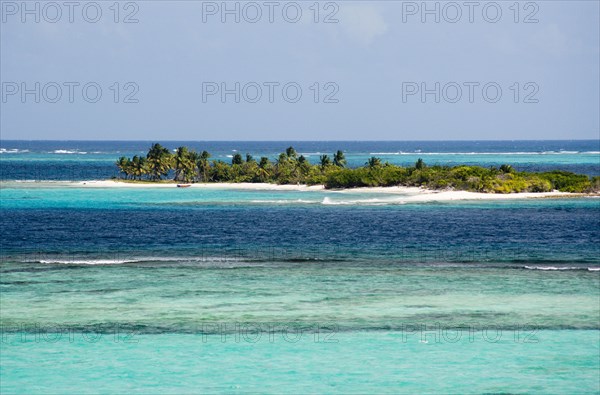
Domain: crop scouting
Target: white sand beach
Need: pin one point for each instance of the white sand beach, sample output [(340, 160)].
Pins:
[(216, 185), (410, 193)]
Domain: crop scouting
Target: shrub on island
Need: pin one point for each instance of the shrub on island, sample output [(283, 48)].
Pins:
[(187, 165)]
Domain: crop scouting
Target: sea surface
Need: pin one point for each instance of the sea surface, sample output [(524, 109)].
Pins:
[(85, 160), (200, 290)]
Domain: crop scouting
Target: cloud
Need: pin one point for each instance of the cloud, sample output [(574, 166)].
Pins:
[(362, 23)]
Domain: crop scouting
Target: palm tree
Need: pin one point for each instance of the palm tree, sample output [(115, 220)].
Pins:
[(339, 159), (420, 164), (263, 169), (291, 152), (159, 161), (203, 165), (249, 158), (282, 159), (184, 164), (283, 168), (373, 162), (264, 162), (194, 158), (302, 166), (138, 167), (237, 159), (123, 163), (220, 171), (325, 161)]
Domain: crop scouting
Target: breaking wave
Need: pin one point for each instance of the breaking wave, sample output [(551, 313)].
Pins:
[(555, 268), (101, 261), (13, 151), (560, 152), (64, 151)]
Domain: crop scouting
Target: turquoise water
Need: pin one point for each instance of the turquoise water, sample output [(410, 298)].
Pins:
[(40, 195), (547, 362), (182, 295), (204, 290)]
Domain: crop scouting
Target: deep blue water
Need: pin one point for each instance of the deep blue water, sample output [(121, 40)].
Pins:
[(530, 232)]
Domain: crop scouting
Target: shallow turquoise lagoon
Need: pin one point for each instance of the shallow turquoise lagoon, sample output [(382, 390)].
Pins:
[(544, 362), (36, 195)]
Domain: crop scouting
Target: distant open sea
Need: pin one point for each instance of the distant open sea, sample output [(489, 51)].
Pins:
[(84, 160), (200, 290)]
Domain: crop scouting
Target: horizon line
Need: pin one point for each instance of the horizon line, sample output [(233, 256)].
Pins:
[(291, 140)]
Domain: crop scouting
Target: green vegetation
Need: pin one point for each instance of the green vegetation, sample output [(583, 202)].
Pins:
[(186, 165)]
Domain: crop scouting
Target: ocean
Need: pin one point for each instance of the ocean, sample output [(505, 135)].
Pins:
[(85, 160), (205, 290)]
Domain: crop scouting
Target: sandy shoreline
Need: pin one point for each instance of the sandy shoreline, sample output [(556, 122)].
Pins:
[(409, 193), (217, 185)]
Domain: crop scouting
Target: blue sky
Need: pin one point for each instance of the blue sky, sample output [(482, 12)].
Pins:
[(368, 61)]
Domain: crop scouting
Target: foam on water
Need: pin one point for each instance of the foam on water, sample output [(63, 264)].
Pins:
[(327, 201), (64, 151), (489, 153), (554, 268), (100, 261), (13, 151), (284, 201)]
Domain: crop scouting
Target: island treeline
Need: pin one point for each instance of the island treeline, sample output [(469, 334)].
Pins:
[(185, 165)]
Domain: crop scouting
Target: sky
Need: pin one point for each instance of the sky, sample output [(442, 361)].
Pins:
[(304, 70)]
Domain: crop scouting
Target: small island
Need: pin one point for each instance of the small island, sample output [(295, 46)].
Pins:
[(189, 166)]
